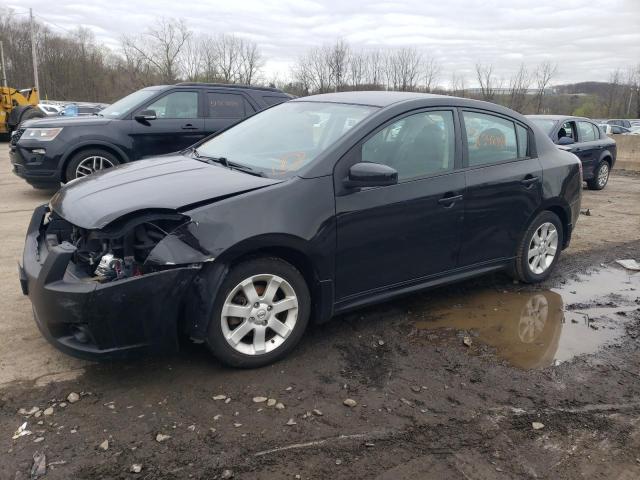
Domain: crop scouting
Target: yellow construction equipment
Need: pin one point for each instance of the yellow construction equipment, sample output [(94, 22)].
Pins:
[(17, 106)]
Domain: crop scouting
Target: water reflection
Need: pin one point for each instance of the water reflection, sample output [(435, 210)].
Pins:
[(524, 328), (536, 329)]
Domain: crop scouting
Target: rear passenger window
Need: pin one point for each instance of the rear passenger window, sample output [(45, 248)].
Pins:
[(587, 132), (490, 139), (523, 141), (228, 105), (273, 100), (417, 145)]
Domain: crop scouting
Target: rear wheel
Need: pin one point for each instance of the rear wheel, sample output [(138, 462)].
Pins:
[(600, 177), (87, 162), (260, 314), (539, 249)]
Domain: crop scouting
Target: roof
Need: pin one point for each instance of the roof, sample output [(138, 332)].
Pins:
[(377, 98), (229, 85), (557, 117)]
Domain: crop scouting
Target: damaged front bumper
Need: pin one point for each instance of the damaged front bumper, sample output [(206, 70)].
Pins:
[(93, 320)]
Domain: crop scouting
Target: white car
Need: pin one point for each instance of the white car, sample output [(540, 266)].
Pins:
[(49, 109), (614, 129)]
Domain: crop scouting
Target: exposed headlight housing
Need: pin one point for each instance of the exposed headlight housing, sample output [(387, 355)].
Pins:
[(42, 134)]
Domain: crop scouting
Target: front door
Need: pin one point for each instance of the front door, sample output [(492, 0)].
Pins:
[(504, 187), (177, 125), (387, 236)]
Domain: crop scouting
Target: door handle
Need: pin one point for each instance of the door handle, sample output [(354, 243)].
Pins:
[(529, 181), (449, 200), (189, 126)]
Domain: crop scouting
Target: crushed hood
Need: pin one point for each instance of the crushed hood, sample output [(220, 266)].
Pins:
[(162, 183)]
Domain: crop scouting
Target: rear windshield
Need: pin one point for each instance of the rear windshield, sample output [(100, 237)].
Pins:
[(545, 124)]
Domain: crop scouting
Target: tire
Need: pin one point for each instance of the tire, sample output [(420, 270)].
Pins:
[(86, 162), (525, 267), (30, 113), (600, 176), (248, 351)]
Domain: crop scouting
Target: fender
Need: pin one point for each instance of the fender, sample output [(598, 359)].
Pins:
[(607, 153), (556, 204), (90, 143)]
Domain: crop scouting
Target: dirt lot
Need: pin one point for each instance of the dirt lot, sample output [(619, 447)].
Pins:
[(447, 384)]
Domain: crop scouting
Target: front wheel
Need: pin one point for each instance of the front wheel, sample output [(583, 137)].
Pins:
[(600, 177), (260, 314), (87, 162), (539, 248)]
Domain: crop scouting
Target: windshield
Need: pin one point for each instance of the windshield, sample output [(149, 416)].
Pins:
[(285, 138), (127, 103), (544, 123)]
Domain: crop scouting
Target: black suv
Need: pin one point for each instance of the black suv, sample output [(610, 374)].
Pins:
[(152, 121)]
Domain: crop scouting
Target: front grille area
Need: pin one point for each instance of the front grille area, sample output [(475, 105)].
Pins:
[(16, 135)]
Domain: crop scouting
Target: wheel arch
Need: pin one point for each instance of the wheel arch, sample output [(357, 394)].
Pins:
[(114, 150), (294, 250), (562, 210)]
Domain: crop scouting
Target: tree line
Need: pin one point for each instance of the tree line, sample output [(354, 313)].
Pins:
[(74, 66)]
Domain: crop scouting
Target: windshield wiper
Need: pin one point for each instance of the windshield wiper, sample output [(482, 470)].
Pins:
[(226, 163)]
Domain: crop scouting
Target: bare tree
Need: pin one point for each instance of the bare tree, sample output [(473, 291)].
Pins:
[(614, 93), (403, 69), (160, 46), (337, 58), (432, 69), (192, 59), (634, 90), (458, 85), (487, 81), (358, 67), (250, 62), (518, 87), (543, 75)]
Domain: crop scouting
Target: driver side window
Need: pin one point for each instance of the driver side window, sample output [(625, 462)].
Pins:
[(176, 105), (568, 129), (415, 146)]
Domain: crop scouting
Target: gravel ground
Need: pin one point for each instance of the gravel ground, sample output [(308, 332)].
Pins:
[(427, 402)]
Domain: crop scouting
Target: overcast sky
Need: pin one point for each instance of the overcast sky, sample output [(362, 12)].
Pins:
[(587, 38)]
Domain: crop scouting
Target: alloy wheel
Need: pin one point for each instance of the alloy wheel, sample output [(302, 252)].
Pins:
[(259, 314), (92, 164), (533, 318), (542, 248), (603, 174)]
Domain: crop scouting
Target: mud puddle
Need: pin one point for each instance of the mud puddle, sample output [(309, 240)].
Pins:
[(536, 329)]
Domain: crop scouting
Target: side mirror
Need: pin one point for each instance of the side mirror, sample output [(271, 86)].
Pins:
[(566, 141), (367, 174), (145, 115)]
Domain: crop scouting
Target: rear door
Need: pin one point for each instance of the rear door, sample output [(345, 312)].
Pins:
[(224, 108), (504, 186), (177, 125), (588, 147)]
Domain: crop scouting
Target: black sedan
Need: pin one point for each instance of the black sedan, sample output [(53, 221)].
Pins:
[(301, 212), (583, 137)]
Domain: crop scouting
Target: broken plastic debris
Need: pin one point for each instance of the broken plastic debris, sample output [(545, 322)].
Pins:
[(21, 431), (39, 467), (629, 264)]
